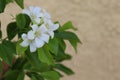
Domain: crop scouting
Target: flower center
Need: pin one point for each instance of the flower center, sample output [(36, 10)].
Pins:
[(31, 40), (37, 34), (33, 16)]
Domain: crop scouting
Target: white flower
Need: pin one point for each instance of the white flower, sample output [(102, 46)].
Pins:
[(40, 35), (35, 38), (51, 27), (34, 13), (28, 42)]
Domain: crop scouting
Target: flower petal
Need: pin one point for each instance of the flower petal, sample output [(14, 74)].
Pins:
[(55, 27), (47, 15), (42, 28), (45, 37), (51, 33), (25, 43), (39, 42), (32, 47), (34, 27), (24, 36), (31, 34), (37, 20)]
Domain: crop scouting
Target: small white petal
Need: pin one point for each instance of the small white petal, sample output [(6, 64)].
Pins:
[(50, 23), (51, 33), (47, 15), (31, 35), (39, 42), (37, 20), (45, 37), (42, 28), (32, 47), (37, 8), (31, 8), (25, 43), (55, 27), (41, 15), (24, 36), (34, 27)]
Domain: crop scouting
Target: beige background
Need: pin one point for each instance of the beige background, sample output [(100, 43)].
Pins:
[(98, 22)]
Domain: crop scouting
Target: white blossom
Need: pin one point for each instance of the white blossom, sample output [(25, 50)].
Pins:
[(28, 42), (34, 13), (42, 28), (40, 35), (35, 38), (51, 27)]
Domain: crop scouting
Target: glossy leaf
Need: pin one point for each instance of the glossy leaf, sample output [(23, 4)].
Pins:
[(37, 77), (1, 67), (12, 30), (7, 51), (20, 3), (21, 76), (66, 26), (74, 44), (50, 75), (67, 35), (9, 1), (53, 45), (21, 21), (45, 56), (65, 69), (12, 75), (0, 34), (2, 5), (70, 36)]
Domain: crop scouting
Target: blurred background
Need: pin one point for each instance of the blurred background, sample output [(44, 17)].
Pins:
[(98, 23)]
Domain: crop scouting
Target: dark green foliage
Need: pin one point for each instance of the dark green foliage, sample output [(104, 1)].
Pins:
[(2, 5), (12, 30), (7, 51), (63, 68), (20, 3)]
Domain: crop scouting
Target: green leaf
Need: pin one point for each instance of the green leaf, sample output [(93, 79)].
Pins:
[(7, 51), (41, 67), (70, 36), (0, 25), (74, 44), (36, 65), (62, 44), (21, 76), (2, 5), (1, 66), (21, 21), (32, 58), (67, 35), (50, 75), (19, 48), (65, 69), (19, 63), (66, 26), (12, 75), (12, 30), (62, 56), (37, 77), (53, 45), (0, 34), (9, 1), (45, 56), (20, 3)]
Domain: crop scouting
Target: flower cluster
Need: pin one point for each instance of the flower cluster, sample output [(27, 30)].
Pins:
[(42, 28)]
